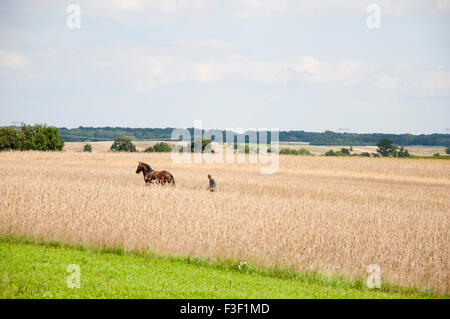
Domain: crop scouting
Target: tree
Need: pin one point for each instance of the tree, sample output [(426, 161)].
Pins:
[(46, 138), (403, 152), (386, 147), (8, 138), (159, 147), (39, 137), (123, 144), (447, 150), (25, 138), (202, 142), (87, 148)]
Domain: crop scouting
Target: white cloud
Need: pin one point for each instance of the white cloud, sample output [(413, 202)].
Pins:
[(414, 6), (144, 72), (107, 7), (434, 81), (12, 60), (234, 57), (33, 76), (431, 82), (46, 53), (155, 71), (203, 44), (126, 5), (343, 73), (150, 72), (386, 82), (245, 9)]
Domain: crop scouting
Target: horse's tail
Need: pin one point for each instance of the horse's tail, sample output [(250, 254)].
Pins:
[(173, 179)]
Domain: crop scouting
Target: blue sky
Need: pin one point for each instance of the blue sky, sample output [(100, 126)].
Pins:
[(287, 64)]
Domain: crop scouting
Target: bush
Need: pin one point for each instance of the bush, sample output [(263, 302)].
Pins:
[(249, 148), (123, 144), (162, 147), (39, 137), (342, 152), (87, 148), (365, 154), (436, 154), (204, 142), (159, 147), (402, 153), (304, 151), (289, 151), (447, 150)]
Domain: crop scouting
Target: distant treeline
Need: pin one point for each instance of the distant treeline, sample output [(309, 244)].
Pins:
[(82, 134), (332, 138)]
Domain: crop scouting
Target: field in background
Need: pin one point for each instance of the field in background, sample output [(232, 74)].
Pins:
[(314, 149), (416, 150), (335, 215), (104, 146)]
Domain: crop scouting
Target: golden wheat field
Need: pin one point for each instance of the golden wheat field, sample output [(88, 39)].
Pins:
[(335, 215)]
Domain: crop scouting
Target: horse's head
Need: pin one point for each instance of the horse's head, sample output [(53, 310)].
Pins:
[(139, 168), (142, 167)]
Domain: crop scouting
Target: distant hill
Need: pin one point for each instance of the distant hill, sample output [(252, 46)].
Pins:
[(81, 134)]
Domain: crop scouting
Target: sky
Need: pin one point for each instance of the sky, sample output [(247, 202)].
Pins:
[(249, 64)]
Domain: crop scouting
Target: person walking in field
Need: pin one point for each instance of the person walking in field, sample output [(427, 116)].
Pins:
[(212, 184)]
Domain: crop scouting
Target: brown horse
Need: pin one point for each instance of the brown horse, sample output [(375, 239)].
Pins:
[(151, 175)]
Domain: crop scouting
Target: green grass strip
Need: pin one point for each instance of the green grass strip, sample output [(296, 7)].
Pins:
[(32, 268)]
